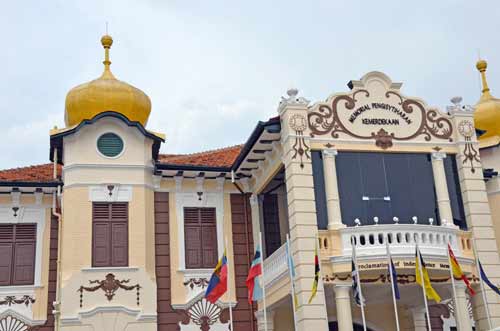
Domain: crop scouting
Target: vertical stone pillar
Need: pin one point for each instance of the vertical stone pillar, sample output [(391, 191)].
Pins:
[(442, 195), (261, 323), (419, 319), (462, 316), (343, 303), (478, 215), (301, 210), (331, 190)]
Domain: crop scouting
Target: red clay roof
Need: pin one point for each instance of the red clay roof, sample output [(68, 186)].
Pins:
[(223, 157), (37, 174)]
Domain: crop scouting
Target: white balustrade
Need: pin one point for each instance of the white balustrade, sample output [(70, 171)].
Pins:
[(371, 239), (275, 266)]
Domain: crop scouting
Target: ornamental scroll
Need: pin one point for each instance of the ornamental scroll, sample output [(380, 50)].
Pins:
[(375, 110)]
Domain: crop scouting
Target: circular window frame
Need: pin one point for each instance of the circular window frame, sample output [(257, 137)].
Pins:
[(105, 156)]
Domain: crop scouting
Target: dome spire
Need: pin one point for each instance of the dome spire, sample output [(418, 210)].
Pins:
[(481, 65), (106, 42)]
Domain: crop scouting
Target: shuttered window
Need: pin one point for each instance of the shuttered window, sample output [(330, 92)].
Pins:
[(17, 254), (200, 237), (110, 234)]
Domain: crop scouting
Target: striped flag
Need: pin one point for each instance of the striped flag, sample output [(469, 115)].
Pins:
[(457, 271), (291, 268), (392, 271), (423, 278), (254, 276), (355, 289), (487, 281), (316, 274)]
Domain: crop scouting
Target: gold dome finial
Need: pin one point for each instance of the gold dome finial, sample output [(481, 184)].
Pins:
[(106, 42), (481, 65)]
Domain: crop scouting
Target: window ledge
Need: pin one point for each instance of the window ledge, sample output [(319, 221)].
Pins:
[(19, 289), (109, 269), (196, 273)]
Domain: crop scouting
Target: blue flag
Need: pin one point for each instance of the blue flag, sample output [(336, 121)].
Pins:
[(487, 281), (392, 270)]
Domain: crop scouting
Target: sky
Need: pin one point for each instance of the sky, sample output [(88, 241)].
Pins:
[(213, 69)]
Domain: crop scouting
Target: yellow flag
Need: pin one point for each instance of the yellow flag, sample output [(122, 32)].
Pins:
[(425, 282)]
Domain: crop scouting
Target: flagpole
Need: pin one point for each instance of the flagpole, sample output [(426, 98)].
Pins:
[(419, 259), (291, 280), (358, 280), (453, 285), (389, 261), (483, 292), (229, 284), (263, 283)]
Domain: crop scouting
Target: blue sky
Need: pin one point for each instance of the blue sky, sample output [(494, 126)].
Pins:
[(214, 68)]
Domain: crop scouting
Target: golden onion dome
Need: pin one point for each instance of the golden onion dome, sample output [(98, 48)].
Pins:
[(106, 93), (487, 113)]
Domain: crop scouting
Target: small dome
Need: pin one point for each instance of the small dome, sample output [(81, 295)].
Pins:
[(487, 113), (106, 93)]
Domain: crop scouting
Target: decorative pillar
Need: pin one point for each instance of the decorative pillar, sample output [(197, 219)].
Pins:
[(478, 215), (331, 190), (419, 319), (254, 206), (462, 316), (442, 195), (261, 324), (295, 141), (343, 302)]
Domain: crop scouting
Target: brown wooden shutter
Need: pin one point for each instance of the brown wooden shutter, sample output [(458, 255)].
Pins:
[(209, 237), (110, 234), (6, 253), (24, 254), (200, 237)]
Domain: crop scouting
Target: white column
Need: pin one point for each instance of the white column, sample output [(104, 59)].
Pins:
[(462, 316), (254, 205), (331, 190), (419, 319), (261, 323), (343, 303), (442, 195)]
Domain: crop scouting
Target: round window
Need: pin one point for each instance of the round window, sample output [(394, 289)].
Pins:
[(110, 145)]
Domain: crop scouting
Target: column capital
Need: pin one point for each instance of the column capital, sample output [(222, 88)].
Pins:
[(438, 156), (330, 152)]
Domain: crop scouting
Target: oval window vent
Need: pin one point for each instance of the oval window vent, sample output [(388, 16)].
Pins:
[(110, 145)]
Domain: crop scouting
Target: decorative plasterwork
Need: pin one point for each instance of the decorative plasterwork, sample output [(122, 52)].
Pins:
[(470, 153), (292, 100), (110, 193), (109, 285), (13, 300), (215, 200), (298, 123), (375, 110), (11, 323), (204, 316)]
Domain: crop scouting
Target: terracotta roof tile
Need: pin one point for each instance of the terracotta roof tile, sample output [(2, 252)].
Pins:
[(37, 174), (223, 157)]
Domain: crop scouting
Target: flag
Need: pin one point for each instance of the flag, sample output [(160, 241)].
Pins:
[(355, 289), (291, 267), (316, 274), (425, 282), (392, 271), (457, 271), (218, 282), (487, 281), (254, 276)]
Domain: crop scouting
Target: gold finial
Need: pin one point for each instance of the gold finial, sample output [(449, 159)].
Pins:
[(106, 42), (481, 65)]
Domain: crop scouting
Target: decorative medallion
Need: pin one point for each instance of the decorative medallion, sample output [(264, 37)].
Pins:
[(470, 154), (204, 314), (298, 123), (198, 282), (11, 323), (11, 300), (375, 111), (109, 285)]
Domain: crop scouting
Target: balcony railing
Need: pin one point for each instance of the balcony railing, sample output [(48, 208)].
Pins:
[(275, 266), (371, 240)]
